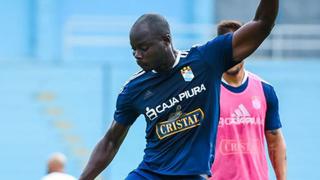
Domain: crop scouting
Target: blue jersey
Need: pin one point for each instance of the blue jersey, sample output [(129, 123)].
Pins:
[(181, 109)]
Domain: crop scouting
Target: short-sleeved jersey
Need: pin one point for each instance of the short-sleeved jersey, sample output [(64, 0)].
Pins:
[(246, 112), (181, 109)]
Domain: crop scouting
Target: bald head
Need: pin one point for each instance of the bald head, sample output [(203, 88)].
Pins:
[(154, 24), (151, 43), (56, 163)]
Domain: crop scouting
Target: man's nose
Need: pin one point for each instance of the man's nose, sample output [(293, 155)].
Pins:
[(137, 54)]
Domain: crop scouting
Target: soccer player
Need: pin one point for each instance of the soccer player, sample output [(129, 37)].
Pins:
[(178, 94), (248, 115), (56, 170)]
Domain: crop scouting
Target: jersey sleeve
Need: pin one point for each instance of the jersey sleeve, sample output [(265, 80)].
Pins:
[(218, 52), (272, 115), (125, 113)]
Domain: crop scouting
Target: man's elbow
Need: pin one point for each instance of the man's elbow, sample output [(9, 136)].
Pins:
[(266, 27), (283, 145), (280, 144)]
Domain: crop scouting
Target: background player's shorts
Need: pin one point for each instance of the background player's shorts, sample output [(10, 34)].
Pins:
[(140, 174)]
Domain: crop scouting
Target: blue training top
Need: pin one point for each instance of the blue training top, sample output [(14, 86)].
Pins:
[(181, 109)]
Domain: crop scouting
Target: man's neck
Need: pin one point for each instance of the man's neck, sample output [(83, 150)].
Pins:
[(172, 60), (234, 80)]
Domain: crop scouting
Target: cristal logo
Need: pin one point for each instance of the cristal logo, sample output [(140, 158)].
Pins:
[(230, 146), (240, 116), (153, 113), (182, 123)]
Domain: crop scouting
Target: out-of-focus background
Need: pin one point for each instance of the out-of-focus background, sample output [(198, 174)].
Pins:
[(62, 63)]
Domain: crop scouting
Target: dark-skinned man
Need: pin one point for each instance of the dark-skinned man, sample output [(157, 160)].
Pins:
[(178, 94)]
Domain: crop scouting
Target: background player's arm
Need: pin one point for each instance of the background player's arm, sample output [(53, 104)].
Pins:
[(105, 151), (249, 37), (277, 152)]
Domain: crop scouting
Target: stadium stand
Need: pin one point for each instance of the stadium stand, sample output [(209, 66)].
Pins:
[(62, 65)]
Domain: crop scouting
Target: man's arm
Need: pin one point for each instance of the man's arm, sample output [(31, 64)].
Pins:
[(105, 151), (249, 37), (277, 152)]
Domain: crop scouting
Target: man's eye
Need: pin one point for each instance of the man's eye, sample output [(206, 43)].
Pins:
[(144, 48)]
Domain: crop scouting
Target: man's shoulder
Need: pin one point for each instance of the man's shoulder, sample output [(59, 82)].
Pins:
[(268, 89), (254, 76), (258, 78), (136, 77), (192, 55)]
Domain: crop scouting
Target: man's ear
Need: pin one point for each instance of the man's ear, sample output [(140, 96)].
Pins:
[(167, 38)]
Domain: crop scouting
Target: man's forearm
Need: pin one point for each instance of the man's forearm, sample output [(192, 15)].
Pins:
[(105, 151), (100, 158), (250, 36), (277, 154), (279, 162), (267, 12)]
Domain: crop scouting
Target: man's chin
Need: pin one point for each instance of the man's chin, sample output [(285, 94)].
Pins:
[(232, 73), (145, 68)]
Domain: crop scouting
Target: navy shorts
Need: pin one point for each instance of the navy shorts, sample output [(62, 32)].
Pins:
[(140, 174)]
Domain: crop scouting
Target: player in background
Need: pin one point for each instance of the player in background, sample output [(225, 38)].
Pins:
[(178, 94), (248, 115), (56, 168)]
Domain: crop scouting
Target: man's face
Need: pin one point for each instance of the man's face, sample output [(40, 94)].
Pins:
[(149, 50)]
